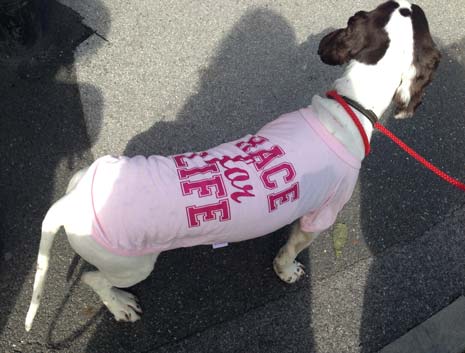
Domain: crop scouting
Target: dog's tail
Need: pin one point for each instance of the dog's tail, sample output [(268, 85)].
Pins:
[(50, 226)]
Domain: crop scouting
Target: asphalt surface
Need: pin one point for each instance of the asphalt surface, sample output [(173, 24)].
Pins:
[(172, 76)]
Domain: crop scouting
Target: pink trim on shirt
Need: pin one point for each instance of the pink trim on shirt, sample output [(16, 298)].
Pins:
[(309, 115)]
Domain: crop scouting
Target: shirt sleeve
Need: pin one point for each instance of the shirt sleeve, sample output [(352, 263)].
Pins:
[(323, 218)]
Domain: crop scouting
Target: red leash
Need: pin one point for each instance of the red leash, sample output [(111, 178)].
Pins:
[(334, 95), (419, 158)]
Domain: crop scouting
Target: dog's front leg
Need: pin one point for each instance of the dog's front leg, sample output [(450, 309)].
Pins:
[(285, 264)]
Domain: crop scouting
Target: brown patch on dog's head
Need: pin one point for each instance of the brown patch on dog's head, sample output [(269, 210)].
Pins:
[(364, 39), (426, 58)]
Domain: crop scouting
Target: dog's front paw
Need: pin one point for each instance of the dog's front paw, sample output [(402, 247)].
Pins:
[(123, 305), (291, 273)]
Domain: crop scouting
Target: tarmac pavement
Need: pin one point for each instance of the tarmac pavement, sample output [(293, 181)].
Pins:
[(172, 76)]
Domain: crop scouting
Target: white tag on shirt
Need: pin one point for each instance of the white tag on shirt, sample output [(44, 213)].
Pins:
[(219, 245)]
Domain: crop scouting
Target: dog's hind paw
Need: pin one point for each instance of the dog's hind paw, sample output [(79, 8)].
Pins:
[(291, 273), (123, 305)]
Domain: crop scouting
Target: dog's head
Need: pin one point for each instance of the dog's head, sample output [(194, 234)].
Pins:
[(370, 35)]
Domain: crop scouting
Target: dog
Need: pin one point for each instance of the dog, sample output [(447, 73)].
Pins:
[(301, 168)]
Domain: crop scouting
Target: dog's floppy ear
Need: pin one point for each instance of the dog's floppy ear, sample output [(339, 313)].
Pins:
[(364, 39), (342, 45), (426, 58)]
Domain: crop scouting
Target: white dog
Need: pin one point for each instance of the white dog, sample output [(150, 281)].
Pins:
[(120, 213)]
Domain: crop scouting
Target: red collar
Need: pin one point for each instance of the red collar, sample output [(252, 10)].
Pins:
[(334, 95)]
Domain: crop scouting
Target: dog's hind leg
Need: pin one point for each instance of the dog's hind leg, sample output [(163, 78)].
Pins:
[(114, 271), (285, 264), (123, 305), (75, 179), (121, 271)]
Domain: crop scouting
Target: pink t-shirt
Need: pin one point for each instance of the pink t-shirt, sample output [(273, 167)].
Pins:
[(292, 168)]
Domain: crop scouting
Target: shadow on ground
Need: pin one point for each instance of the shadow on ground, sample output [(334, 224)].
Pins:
[(43, 138), (259, 72), (401, 201)]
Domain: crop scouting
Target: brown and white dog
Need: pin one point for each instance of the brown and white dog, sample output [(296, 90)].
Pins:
[(390, 57)]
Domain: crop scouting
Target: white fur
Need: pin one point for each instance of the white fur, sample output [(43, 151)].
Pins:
[(376, 83), (373, 86), (404, 4)]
